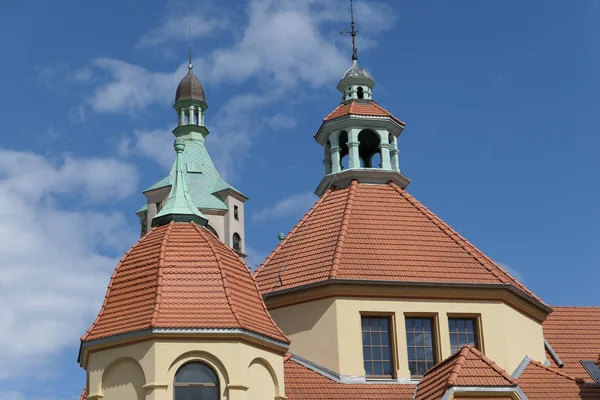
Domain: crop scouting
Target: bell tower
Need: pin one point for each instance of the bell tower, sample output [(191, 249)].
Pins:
[(359, 138), (219, 202)]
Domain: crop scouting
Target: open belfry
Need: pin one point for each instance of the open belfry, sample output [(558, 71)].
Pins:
[(369, 296)]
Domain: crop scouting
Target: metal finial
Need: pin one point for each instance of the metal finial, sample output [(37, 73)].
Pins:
[(190, 66), (352, 33)]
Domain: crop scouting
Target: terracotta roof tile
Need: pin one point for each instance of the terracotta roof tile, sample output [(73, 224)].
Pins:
[(574, 334), (540, 383), (468, 367), (302, 383), (181, 276), (409, 243), (83, 395), (370, 109)]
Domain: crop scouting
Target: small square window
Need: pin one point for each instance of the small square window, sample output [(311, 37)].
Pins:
[(377, 349), (420, 345), (463, 332)]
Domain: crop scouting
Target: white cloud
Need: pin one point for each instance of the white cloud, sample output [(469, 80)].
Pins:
[(156, 145), (30, 176), (53, 272), (280, 122), (290, 206), (131, 87)]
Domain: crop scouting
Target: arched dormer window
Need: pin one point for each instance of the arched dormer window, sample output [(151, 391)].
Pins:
[(360, 92), (196, 380), (237, 242)]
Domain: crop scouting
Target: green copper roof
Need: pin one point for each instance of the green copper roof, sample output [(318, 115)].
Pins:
[(179, 206), (201, 176)]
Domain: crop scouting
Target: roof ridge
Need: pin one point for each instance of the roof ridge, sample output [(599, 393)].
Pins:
[(223, 277), (343, 230), (161, 262), (457, 367), (87, 333), (473, 251), (493, 365), (559, 373), (579, 307), (294, 229)]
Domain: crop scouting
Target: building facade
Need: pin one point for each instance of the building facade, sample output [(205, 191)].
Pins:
[(369, 296)]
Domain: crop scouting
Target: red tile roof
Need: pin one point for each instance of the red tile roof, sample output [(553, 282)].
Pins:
[(408, 243), (83, 394), (369, 109), (181, 276), (302, 383), (574, 334), (540, 383), (468, 367)]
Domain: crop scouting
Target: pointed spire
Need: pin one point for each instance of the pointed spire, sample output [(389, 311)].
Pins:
[(179, 206), (352, 33), (190, 65)]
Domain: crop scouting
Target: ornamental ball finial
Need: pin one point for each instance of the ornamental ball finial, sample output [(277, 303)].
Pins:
[(179, 145), (280, 236)]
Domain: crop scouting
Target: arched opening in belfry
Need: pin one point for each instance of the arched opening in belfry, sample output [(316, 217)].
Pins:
[(360, 93), (376, 160), (344, 153), (369, 146), (237, 242)]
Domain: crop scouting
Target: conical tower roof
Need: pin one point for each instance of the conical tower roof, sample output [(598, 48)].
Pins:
[(181, 276)]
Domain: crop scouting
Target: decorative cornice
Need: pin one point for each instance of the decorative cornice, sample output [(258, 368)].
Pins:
[(409, 290), (357, 121), (362, 175), (125, 338)]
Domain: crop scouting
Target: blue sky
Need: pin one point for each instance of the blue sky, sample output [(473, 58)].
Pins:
[(500, 100)]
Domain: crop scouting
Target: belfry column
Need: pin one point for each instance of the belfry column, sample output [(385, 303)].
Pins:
[(384, 146), (395, 153), (334, 151), (353, 144)]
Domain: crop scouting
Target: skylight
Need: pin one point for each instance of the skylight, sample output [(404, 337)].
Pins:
[(592, 369)]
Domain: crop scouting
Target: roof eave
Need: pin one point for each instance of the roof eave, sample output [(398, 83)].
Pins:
[(355, 120), (500, 286)]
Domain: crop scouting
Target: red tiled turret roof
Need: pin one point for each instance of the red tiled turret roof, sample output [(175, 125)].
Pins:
[(406, 243), (181, 276), (468, 367), (574, 334), (369, 109)]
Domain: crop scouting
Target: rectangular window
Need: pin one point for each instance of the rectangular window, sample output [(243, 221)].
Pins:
[(377, 347), (235, 213), (463, 331), (158, 207), (420, 343)]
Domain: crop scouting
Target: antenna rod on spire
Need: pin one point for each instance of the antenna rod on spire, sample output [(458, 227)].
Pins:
[(190, 66), (352, 33)]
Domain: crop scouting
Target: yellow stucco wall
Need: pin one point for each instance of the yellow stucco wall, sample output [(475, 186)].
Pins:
[(313, 330), (328, 332), (149, 367)]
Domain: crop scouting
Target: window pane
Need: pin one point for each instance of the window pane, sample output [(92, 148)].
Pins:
[(196, 373), (368, 368), (377, 353), (462, 332), (196, 393), (365, 324), (420, 344)]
